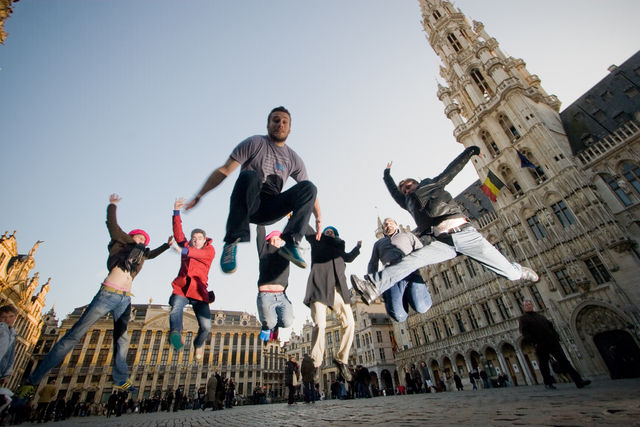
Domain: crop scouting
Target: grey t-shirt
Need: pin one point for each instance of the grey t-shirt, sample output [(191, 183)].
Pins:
[(273, 164), (391, 249)]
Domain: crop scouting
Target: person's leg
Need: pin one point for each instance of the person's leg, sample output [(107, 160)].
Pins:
[(121, 316), (284, 310), (347, 326), (245, 201), (319, 317), (299, 200), (566, 367), (472, 244), (102, 303), (177, 303), (203, 316), (266, 313), (542, 353), (433, 253), (393, 301), (419, 297)]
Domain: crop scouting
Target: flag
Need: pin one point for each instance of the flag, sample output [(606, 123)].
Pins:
[(492, 186), (524, 162)]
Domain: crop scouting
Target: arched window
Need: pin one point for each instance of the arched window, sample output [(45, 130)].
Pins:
[(482, 84), (436, 15), (615, 187), (489, 143), (536, 172), (508, 127), (631, 173), (510, 180), (454, 42)]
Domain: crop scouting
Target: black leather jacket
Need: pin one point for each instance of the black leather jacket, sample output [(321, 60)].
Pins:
[(431, 204)]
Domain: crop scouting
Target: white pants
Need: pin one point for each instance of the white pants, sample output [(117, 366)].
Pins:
[(319, 317)]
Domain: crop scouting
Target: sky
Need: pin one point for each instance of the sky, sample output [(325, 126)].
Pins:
[(146, 98)]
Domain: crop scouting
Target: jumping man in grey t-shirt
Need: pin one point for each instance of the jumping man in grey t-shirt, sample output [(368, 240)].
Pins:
[(257, 197)]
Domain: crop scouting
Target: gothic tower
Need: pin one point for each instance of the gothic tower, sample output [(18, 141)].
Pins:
[(549, 215)]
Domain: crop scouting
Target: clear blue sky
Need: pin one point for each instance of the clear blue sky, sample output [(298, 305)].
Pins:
[(146, 98)]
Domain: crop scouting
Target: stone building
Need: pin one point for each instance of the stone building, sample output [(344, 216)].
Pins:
[(17, 288), (570, 213), (233, 349)]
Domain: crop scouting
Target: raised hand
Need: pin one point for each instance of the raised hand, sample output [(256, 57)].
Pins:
[(179, 203), (114, 198)]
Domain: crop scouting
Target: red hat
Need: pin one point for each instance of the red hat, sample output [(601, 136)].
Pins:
[(147, 239), (274, 233)]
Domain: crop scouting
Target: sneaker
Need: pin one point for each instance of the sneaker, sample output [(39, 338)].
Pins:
[(274, 334), (265, 334), (529, 274), (176, 340), (344, 370), (25, 391), (365, 288), (125, 386), (292, 253), (228, 259), (199, 353), (583, 383)]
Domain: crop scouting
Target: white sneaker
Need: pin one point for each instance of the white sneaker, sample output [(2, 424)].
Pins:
[(529, 274), (199, 353)]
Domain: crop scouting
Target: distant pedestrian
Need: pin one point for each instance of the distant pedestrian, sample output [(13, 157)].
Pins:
[(308, 373), (291, 378), (458, 381), (539, 331)]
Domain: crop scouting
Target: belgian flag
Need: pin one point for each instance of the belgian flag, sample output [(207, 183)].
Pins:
[(492, 186)]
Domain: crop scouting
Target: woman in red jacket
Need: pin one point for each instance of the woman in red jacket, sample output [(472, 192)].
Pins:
[(190, 287)]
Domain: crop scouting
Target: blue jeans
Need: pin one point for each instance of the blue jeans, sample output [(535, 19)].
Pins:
[(104, 302), (403, 294), (309, 391), (200, 309), (467, 242), (274, 309)]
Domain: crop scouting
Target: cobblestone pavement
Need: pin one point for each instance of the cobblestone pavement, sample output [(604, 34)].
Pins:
[(603, 403)]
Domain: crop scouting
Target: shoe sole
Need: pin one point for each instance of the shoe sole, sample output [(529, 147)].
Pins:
[(366, 297), (227, 271), (288, 256), (348, 377)]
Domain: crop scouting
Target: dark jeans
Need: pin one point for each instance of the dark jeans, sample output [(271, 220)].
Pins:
[(309, 391), (249, 204), (543, 351), (292, 390)]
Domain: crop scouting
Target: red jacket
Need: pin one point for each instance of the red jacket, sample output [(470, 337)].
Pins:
[(194, 265)]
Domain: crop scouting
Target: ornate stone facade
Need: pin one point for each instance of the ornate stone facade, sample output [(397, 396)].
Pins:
[(17, 288), (233, 349), (571, 216)]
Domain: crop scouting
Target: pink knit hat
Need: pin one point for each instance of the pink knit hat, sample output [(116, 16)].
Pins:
[(147, 239)]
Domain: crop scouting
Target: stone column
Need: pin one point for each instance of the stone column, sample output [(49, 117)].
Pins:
[(525, 368)]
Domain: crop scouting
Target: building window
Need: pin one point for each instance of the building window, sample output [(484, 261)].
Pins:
[(457, 275), (482, 84), (95, 335), (631, 173), (447, 328), (379, 336), (446, 279), (563, 213), (470, 267), (135, 337), (537, 297), (425, 335), (508, 127), (597, 270), (436, 15), (517, 294), (615, 187), (131, 356), (502, 308), (487, 313), (454, 42), (567, 285), (165, 356), (489, 143), (536, 227), (436, 330), (472, 318), (460, 322), (382, 356), (357, 341)]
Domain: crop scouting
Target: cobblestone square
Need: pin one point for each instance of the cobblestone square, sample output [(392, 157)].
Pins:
[(603, 403)]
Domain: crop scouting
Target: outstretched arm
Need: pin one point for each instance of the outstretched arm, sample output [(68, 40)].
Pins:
[(348, 257), (115, 232), (456, 165), (178, 234), (157, 251), (318, 215), (216, 177), (393, 188)]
